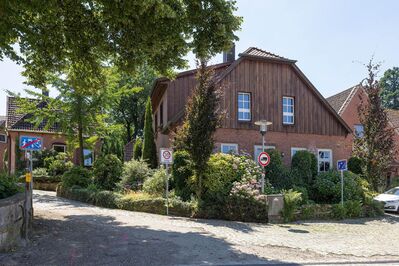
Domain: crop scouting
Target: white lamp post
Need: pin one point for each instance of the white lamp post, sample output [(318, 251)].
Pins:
[(263, 129)]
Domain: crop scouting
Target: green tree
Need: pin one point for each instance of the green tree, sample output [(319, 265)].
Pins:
[(376, 147), (129, 96), (51, 36), (113, 143), (137, 149), (201, 120), (76, 113), (149, 153), (390, 88)]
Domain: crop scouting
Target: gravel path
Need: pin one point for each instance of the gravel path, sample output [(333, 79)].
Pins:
[(72, 233)]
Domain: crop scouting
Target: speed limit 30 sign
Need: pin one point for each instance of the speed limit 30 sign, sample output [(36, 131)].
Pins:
[(264, 159)]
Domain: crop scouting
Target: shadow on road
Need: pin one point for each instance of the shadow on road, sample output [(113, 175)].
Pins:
[(101, 240)]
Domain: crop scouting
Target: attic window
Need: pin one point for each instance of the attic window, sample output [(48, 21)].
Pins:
[(288, 110)]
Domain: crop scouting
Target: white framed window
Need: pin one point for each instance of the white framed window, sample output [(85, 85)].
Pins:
[(324, 159), (258, 150), (3, 138), (59, 147), (244, 106), (288, 110), (229, 148), (296, 149), (359, 131), (88, 157)]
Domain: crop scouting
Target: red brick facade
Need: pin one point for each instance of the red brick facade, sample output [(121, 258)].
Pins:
[(283, 142)]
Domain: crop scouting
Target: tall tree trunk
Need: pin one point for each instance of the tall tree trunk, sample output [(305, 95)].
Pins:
[(80, 131)]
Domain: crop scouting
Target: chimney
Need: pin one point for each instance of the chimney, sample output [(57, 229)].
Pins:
[(229, 56)]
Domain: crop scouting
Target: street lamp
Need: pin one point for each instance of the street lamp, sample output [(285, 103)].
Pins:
[(263, 129)]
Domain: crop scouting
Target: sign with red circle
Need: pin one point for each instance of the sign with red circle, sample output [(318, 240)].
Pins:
[(166, 156), (264, 159)]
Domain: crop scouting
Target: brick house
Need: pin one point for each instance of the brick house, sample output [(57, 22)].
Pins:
[(259, 85), (3, 140), (17, 125), (346, 105)]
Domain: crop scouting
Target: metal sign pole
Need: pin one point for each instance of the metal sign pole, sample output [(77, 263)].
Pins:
[(264, 168), (342, 187), (167, 189)]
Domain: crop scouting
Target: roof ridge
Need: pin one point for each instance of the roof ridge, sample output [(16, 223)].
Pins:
[(273, 54), (257, 52)]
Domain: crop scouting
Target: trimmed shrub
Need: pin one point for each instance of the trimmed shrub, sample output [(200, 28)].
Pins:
[(276, 172), (245, 203), (304, 165), (41, 156), (107, 171), (315, 211), (58, 164), (106, 199), (76, 176), (355, 165), (353, 208), (292, 199), (156, 184), (133, 175), (137, 149), (373, 208), (8, 185), (338, 211), (327, 187), (182, 172), (304, 194), (222, 171)]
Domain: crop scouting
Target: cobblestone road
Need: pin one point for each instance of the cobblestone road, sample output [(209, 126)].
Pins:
[(73, 233)]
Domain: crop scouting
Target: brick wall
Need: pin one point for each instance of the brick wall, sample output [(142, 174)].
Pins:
[(247, 139), (3, 147)]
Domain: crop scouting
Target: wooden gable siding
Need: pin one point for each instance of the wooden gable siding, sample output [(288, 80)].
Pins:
[(179, 92), (268, 82)]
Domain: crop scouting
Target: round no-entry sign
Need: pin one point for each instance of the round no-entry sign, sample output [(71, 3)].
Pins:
[(264, 159)]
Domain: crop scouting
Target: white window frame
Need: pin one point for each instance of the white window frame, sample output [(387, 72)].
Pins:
[(330, 160), (59, 145), (355, 132), (235, 145), (5, 138), (289, 114), (267, 147), (244, 110), (297, 149)]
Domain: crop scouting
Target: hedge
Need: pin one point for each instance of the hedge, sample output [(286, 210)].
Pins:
[(109, 199), (336, 211)]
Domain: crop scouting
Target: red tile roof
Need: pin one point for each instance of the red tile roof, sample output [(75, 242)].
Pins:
[(20, 121)]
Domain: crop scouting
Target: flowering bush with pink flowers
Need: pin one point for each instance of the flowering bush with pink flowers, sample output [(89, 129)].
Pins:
[(231, 189), (247, 189)]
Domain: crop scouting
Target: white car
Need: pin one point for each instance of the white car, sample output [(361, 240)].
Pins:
[(390, 198)]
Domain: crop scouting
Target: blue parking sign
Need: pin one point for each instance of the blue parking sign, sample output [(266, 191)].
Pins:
[(342, 165), (31, 143)]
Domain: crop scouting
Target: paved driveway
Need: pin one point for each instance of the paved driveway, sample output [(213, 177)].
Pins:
[(72, 233)]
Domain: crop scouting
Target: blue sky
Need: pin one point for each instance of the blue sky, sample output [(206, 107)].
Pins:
[(330, 39)]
